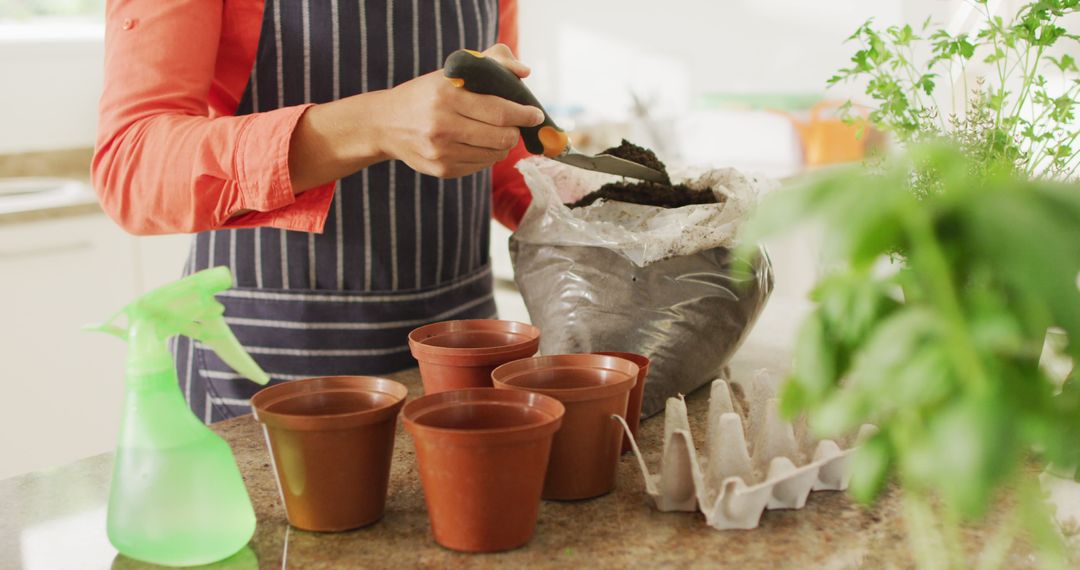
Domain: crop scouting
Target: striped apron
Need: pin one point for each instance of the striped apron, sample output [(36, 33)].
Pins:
[(400, 249)]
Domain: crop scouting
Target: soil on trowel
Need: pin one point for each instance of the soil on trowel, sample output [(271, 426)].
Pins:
[(643, 192), (634, 153)]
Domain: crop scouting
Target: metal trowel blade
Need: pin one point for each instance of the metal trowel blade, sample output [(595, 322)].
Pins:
[(612, 165)]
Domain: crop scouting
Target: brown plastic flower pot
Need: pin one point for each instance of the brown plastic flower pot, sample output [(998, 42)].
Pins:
[(482, 455), (461, 354), (633, 405), (593, 388), (331, 440)]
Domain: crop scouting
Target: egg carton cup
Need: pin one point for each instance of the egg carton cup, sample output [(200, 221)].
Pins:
[(754, 460)]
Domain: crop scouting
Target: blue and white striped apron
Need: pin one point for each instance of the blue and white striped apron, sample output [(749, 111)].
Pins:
[(400, 249)]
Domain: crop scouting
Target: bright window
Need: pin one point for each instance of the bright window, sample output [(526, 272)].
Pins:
[(67, 9)]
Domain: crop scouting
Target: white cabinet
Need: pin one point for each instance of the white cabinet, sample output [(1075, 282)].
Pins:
[(159, 260), (62, 386)]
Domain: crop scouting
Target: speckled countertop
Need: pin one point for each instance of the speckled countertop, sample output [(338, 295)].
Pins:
[(70, 164), (66, 506), (617, 530)]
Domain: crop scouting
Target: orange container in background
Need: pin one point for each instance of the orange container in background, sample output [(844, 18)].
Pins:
[(827, 139)]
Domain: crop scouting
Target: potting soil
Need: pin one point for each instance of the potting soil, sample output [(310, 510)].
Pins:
[(644, 192)]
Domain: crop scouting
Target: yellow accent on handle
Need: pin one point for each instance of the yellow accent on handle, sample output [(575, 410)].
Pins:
[(473, 53), (456, 81), (554, 141)]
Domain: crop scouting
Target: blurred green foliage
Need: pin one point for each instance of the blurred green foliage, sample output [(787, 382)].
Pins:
[(942, 351)]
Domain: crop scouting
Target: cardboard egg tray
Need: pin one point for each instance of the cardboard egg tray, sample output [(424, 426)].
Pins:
[(753, 459)]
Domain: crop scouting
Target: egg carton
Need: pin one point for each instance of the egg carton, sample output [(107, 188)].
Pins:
[(754, 460)]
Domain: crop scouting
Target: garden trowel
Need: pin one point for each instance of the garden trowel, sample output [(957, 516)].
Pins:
[(479, 74)]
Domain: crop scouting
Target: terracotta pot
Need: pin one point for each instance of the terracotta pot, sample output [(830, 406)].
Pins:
[(462, 354), (633, 405), (482, 455), (331, 441), (593, 388)]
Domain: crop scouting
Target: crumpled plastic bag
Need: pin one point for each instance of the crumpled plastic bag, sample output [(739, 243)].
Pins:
[(661, 282), (643, 234)]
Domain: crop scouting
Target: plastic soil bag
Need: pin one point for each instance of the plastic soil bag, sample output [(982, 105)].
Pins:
[(615, 276)]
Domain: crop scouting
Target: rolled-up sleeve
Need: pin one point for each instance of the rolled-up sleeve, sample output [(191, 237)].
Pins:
[(162, 164)]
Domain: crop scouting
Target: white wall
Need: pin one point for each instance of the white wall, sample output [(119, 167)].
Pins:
[(64, 387), (592, 54), (50, 81), (585, 53)]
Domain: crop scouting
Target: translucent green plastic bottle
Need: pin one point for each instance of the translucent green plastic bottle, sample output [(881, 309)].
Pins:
[(177, 497)]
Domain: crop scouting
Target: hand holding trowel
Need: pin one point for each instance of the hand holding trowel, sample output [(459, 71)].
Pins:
[(479, 74)]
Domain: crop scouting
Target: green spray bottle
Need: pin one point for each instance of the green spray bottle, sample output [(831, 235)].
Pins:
[(177, 497)]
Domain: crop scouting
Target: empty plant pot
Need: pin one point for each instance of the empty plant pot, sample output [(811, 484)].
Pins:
[(633, 405), (331, 440), (482, 455), (462, 354), (593, 388)]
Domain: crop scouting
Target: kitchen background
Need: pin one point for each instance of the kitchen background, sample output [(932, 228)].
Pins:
[(700, 81)]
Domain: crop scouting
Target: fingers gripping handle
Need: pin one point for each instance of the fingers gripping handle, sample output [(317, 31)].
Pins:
[(483, 75)]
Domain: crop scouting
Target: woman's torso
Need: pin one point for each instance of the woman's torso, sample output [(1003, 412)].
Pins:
[(400, 249)]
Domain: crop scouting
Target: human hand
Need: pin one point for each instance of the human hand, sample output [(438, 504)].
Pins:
[(441, 130)]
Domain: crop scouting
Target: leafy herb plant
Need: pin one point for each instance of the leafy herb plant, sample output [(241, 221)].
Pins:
[(943, 354), (1020, 108)]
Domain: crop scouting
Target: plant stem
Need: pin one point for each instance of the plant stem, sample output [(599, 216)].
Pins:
[(1029, 77), (1043, 155), (933, 98), (967, 90), (941, 291), (999, 64), (1069, 167), (926, 543), (993, 556), (952, 87), (954, 543), (1040, 524)]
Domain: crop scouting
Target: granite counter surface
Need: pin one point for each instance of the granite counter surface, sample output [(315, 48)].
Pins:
[(69, 164)]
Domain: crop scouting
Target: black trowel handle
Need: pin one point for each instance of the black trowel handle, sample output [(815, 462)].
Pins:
[(480, 74)]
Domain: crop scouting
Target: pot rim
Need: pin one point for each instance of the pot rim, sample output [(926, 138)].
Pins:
[(491, 396), (641, 360), (419, 336), (503, 376), (267, 397), (474, 360)]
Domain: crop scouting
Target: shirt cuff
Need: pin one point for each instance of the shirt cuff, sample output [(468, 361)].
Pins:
[(307, 213), (262, 173)]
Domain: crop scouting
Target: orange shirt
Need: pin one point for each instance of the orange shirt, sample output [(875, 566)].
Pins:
[(171, 156)]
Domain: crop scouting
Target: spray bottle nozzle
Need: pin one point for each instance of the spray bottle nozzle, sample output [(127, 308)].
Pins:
[(184, 307), (108, 328)]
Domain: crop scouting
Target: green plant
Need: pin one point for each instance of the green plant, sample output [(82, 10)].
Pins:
[(1011, 114), (941, 353)]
